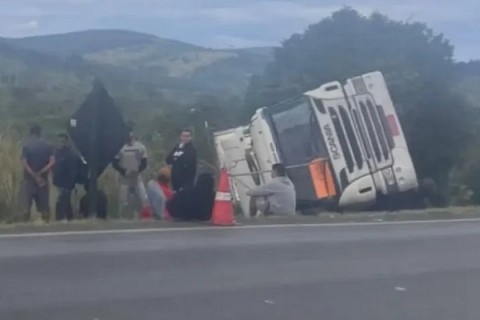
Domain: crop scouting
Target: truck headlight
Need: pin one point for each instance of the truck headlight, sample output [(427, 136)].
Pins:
[(388, 175)]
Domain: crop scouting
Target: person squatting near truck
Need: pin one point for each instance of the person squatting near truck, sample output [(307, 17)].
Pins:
[(278, 197)]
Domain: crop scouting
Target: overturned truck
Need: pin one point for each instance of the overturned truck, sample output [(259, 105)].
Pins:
[(343, 145)]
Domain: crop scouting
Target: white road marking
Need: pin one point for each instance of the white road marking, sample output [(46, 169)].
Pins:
[(237, 227)]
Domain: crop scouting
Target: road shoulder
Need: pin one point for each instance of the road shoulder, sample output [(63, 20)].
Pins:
[(324, 218)]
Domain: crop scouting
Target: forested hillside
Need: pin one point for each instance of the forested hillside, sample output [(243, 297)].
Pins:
[(162, 85)]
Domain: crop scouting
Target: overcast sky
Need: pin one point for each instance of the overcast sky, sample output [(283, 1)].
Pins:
[(227, 23)]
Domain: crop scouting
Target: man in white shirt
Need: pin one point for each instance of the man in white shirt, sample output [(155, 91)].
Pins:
[(130, 162)]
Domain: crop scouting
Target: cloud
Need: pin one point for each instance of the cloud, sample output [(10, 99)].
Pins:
[(29, 25), (245, 11), (227, 41), (215, 22), (20, 11), (264, 12), (25, 26)]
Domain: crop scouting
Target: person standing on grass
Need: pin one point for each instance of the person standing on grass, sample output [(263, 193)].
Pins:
[(130, 162), (183, 160), (64, 177), (37, 160)]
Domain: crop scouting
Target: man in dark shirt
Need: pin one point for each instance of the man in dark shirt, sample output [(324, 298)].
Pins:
[(64, 177), (37, 161), (183, 160)]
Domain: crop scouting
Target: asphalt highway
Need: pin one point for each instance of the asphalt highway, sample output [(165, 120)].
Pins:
[(369, 271)]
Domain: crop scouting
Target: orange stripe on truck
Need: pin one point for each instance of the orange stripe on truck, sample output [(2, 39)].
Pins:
[(322, 178)]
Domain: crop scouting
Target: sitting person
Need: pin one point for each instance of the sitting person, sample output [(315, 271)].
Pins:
[(159, 193), (194, 203), (102, 204), (277, 197)]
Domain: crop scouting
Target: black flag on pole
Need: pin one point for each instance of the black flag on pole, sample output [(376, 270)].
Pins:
[(98, 128)]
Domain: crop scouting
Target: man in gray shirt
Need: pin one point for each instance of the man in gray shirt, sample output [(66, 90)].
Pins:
[(130, 162), (37, 160), (278, 197)]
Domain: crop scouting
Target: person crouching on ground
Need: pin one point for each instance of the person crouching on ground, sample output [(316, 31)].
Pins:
[(278, 197), (159, 193), (194, 203)]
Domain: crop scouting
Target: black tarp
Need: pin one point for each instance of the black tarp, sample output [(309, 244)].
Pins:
[(97, 128)]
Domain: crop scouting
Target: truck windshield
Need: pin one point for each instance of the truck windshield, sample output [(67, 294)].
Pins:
[(297, 132)]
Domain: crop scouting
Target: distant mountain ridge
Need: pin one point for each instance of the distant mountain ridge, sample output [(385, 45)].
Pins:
[(84, 42), (136, 60)]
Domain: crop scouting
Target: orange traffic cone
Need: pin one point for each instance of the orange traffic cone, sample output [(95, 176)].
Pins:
[(222, 214)]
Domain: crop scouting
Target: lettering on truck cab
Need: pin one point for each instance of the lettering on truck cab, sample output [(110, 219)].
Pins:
[(332, 145)]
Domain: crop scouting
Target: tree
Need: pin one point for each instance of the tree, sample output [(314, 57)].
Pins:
[(417, 63)]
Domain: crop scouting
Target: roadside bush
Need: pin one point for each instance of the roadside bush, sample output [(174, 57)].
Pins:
[(10, 175)]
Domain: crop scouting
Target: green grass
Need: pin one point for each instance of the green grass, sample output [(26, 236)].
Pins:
[(10, 174)]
